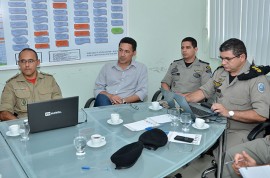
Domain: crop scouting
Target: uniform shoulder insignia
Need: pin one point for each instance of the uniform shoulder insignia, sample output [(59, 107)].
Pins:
[(254, 71), (220, 67), (208, 69), (203, 62), (15, 76), (177, 60), (45, 73)]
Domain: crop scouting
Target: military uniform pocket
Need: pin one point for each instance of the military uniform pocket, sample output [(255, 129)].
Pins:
[(195, 78), (176, 77), (45, 93), (22, 96)]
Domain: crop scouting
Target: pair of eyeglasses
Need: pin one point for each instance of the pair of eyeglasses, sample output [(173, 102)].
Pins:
[(30, 61), (228, 59)]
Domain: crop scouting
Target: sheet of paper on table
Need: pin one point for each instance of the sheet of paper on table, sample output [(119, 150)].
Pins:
[(149, 122), (197, 137), (257, 171)]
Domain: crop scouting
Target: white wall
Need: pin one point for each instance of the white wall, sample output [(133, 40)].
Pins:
[(158, 26)]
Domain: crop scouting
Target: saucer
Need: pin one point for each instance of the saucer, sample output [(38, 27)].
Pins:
[(151, 107), (8, 133), (89, 143), (206, 126), (112, 123)]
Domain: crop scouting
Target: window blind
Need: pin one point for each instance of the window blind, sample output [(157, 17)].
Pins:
[(247, 20)]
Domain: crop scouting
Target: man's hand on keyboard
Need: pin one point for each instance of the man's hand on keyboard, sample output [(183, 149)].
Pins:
[(219, 108)]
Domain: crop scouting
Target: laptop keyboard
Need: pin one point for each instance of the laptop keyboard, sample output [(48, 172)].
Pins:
[(198, 111)]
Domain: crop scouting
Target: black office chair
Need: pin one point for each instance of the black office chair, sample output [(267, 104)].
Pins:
[(157, 96), (90, 102), (265, 126)]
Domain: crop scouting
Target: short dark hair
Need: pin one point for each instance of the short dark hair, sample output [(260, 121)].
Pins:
[(130, 41), (235, 45), (192, 40), (28, 49)]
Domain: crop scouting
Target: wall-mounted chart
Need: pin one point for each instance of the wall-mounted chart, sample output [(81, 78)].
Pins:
[(61, 31)]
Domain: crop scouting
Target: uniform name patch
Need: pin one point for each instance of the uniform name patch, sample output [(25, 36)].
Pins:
[(196, 75)]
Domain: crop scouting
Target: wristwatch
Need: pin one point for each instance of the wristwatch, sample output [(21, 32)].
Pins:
[(231, 114), (123, 101)]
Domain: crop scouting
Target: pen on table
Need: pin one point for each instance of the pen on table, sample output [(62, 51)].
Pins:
[(234, 161), (88, 168)]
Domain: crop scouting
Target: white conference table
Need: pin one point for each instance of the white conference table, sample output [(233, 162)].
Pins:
[(52, 154)]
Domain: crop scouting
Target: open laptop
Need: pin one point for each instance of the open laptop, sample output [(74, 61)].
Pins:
[(195, 109), (53, 114)]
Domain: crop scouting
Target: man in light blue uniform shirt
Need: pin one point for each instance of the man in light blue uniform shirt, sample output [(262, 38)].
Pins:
[(243, 100), (124, 81), (189, 73)]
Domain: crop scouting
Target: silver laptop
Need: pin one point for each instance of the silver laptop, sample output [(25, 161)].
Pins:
[(53, 114), (195, 109)]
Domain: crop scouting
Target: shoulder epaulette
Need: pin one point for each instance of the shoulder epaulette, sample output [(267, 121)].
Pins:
[(254, 71), (218, 68), (177, 60), (13, 77), (45, 73), (204, 62)]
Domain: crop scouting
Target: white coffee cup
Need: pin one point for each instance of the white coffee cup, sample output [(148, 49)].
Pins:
[(115, 117), (155, 105), (97, 139), (199, 123), (14, 129)]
